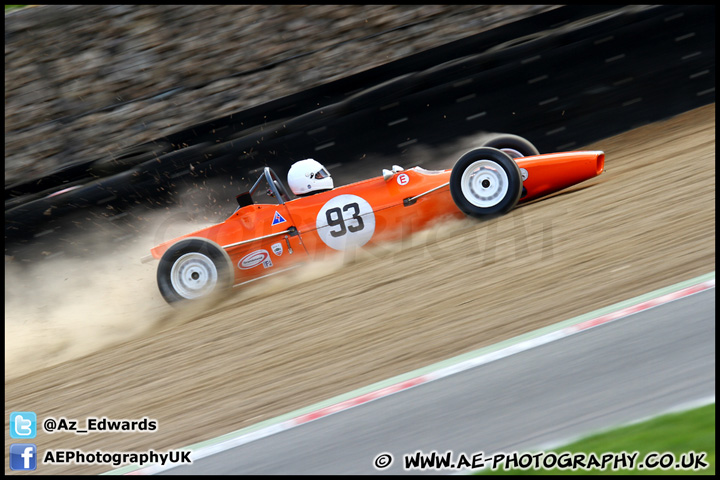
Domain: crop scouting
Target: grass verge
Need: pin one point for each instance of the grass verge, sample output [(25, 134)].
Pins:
[(670, 438), (9, 8)]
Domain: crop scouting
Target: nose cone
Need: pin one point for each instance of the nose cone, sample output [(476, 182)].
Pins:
[(551, 172), (600, 162)]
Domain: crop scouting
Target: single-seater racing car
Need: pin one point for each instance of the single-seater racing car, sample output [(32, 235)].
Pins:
[(261, 239)]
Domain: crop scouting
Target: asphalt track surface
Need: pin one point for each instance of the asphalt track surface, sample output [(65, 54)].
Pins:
[(635, 367)]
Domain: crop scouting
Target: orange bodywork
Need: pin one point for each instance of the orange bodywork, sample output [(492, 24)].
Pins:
[(262, 239)]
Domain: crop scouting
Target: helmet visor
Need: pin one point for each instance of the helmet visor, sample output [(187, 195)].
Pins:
[(322, 173)]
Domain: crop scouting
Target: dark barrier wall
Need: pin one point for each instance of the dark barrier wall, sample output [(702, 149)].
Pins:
[(245, 122), (573, 79)]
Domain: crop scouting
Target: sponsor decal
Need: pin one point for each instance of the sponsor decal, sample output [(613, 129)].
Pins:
[(346, 221), (524, 174), (277, 248), (253, 259), (403, 179), (278, 218)]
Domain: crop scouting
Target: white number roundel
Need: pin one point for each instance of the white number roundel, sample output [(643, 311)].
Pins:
[(345, 221)]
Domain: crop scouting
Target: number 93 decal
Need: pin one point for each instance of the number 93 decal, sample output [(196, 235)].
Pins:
[(346, 221)]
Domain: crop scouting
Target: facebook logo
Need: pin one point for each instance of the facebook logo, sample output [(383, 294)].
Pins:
[(23, 456), (23, 424)]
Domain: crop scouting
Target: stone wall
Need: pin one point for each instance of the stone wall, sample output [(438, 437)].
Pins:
[(84, 81)]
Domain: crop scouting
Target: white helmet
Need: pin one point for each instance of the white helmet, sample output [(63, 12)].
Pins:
[(308, 176)]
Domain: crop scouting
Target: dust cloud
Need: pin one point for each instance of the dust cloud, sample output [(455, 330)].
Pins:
[(64, 308)]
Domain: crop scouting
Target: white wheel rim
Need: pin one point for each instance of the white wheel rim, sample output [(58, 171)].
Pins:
[(512, 152), (193, 275), (484, 183)]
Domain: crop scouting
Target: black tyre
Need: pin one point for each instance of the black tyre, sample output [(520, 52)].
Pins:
[(192, 269), (485, 181), (513, 145)]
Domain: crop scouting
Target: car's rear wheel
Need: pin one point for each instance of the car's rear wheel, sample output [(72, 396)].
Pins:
[(513, 145), (485, 181), (193, 269)]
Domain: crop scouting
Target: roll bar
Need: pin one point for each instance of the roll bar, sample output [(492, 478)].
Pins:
[(276, 186)]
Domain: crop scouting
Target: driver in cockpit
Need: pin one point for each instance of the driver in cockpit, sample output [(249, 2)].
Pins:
[(307, 177)]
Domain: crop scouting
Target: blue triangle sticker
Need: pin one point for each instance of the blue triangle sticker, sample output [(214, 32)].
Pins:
[(277, 218)]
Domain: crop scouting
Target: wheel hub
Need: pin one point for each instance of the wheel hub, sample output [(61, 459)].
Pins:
[(193, 275), (485, 183)]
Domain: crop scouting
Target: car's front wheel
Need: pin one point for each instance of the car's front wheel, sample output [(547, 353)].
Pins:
[(193, 269), (485, 181)]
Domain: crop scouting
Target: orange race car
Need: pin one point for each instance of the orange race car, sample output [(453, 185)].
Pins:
[(261, 239)]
